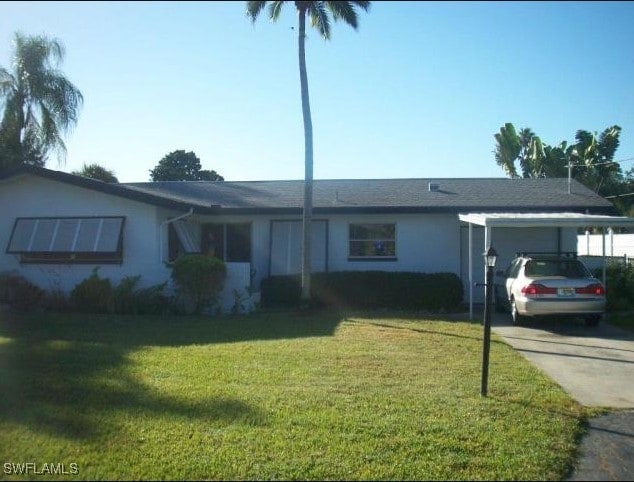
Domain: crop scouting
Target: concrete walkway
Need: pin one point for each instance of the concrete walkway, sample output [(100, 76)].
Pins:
[(596, 367)]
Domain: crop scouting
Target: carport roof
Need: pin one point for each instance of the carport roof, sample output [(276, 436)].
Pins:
[(527, 220)]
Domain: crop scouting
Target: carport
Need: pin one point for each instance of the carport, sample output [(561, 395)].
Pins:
[(533, 220)]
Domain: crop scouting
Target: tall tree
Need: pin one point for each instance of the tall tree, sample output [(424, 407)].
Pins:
[(524, 147), (319, 13), (595, 158), (507, 149), (95, 171), (590, 158), (182, 166), (39, 103)]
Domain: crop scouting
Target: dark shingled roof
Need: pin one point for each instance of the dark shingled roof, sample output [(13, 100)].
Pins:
[(349, 196), (386, 195)]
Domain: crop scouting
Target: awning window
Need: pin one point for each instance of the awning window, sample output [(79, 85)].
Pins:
[(77, 239), (186, 236)]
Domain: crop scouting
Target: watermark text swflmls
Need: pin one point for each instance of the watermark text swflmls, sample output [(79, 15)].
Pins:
[(32, 468)]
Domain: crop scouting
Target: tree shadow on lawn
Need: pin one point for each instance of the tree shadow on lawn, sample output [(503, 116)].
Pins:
[(65, 374), (74, 390), (135, 331), (421, 323)]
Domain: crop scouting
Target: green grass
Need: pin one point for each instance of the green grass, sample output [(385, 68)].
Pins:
[(276, 396)]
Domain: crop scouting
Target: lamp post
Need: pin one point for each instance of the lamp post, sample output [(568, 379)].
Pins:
[(489, 260)]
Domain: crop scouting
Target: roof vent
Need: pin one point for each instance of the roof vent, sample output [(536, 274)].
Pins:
[(434, 187)]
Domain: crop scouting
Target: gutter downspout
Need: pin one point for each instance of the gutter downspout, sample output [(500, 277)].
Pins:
[(165, 223)]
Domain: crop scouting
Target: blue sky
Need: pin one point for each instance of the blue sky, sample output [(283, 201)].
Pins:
[(418, 91)]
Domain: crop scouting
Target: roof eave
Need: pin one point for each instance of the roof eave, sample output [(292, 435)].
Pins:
[(113, 189)]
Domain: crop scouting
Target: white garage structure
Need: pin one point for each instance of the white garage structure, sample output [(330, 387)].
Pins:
[(496, 232)]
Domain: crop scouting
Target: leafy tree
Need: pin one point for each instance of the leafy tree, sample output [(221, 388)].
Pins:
[(95, 171), (524, 147), (319, 13), (591, 158), (39, 103), (622, 195), (507, 149), (182, 166), (595, 158)]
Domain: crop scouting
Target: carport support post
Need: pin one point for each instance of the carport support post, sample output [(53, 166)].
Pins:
[(470, 271)]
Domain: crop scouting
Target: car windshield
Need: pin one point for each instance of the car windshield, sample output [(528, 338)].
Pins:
[(568, 268)]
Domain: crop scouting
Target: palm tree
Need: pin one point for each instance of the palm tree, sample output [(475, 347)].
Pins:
[(596, 156), (320, 19), (39, 103), (507, 149)]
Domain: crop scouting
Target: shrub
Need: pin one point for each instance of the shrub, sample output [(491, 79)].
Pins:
[(19, 293), (149, 301), (199, 280), (370, 290), (620, 286), (123, 301), (93, 295), (130, 300), (56, 300)]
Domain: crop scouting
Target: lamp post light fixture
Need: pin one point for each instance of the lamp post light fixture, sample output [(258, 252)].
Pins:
[(490, 257)]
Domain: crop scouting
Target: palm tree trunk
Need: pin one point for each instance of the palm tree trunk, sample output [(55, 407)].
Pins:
[(308, 161)]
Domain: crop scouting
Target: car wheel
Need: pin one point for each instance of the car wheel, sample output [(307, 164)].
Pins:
[(593, 320), (515, 316)]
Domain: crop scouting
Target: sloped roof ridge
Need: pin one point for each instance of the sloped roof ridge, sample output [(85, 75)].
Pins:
[(382, 179)]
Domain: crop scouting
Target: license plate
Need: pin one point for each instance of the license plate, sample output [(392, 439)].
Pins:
[(566, 292)]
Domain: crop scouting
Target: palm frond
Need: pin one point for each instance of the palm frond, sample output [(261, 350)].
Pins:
[(319, 18), (63, 99), (609, 143), (275, 9), (507, 149), (50, 137), (39, 101), (254, 8)]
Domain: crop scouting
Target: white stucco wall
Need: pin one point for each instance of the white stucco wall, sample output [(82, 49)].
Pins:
[(144, 250), (425, 243), (27, 195)]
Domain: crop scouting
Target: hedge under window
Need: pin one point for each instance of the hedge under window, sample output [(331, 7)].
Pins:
[(68, 240), (372, 241)]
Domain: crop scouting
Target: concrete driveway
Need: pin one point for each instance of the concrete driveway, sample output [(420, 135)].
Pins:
[(594, 365)]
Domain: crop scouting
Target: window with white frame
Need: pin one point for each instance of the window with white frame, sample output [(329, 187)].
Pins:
[(68, 240), (372, 241)]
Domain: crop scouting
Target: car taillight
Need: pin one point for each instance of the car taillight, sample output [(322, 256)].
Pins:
[(537, 289), (593, 289)]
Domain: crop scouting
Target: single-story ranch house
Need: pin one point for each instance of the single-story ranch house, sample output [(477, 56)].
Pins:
[(56, 227)]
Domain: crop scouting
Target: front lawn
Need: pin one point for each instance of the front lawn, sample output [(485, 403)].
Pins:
[(274, 396)]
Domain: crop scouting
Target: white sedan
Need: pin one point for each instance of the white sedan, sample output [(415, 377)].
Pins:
[(540, 284)]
